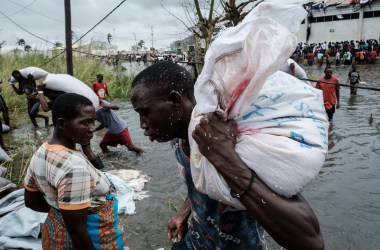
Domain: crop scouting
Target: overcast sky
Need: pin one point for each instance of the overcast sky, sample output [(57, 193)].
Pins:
[(45, 18)]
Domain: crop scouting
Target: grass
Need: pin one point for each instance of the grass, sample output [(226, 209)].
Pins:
[(21, 153), (85, 69)]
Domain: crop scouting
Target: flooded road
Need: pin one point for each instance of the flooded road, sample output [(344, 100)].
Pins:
[(345, 195)]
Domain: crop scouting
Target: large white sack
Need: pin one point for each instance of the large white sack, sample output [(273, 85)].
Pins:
[(37, 73), (70, 84), (283, 139)]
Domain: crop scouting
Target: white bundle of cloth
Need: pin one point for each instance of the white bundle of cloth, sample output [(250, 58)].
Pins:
[(282, 125)]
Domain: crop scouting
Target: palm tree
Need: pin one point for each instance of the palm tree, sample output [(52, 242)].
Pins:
[(109, 37), (58, 44), (20, 42)]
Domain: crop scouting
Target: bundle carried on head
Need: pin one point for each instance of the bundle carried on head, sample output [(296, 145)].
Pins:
[(281, 120)]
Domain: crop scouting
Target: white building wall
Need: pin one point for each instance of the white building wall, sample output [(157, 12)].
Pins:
[(343, 30), (371, 28), (333, 31)]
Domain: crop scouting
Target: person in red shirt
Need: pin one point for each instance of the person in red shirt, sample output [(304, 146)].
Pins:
[(373, 56), (330, 92), (100, 87), (310, 59)]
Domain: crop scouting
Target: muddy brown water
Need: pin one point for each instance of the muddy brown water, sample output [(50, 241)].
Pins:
[(345, 195)]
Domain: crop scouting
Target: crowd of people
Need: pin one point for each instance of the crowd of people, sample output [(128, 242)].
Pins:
[(338, 53)]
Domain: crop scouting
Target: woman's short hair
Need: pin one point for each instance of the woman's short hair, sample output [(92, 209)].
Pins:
[(164, 77), (68, 106)]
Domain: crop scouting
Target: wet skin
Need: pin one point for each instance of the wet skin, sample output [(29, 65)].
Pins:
[(162, 118)]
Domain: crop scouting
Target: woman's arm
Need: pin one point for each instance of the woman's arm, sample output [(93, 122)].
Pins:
[(76, 225), (291, 222), (36, 201)]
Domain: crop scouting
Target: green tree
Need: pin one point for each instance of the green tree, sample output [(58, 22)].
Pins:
[(141, 44), (2, 44), (20, 42), (27, 48)]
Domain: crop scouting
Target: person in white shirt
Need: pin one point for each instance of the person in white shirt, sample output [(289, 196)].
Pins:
[(337, 59)]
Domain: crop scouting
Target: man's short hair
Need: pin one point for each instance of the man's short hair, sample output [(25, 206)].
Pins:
[(164, 77), (17, 75), (68, 106), (328, 67)]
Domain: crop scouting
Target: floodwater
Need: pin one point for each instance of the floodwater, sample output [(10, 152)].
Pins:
[(345, 195)]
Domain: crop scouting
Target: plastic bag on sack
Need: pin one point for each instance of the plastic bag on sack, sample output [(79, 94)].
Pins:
[(237, 65), (37, 73), (240, 60), (70, 84)]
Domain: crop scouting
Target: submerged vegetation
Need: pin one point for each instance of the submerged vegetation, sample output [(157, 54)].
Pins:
[(23, 145)]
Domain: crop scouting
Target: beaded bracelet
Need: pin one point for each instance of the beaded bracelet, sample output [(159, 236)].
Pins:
[(238, 195)]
